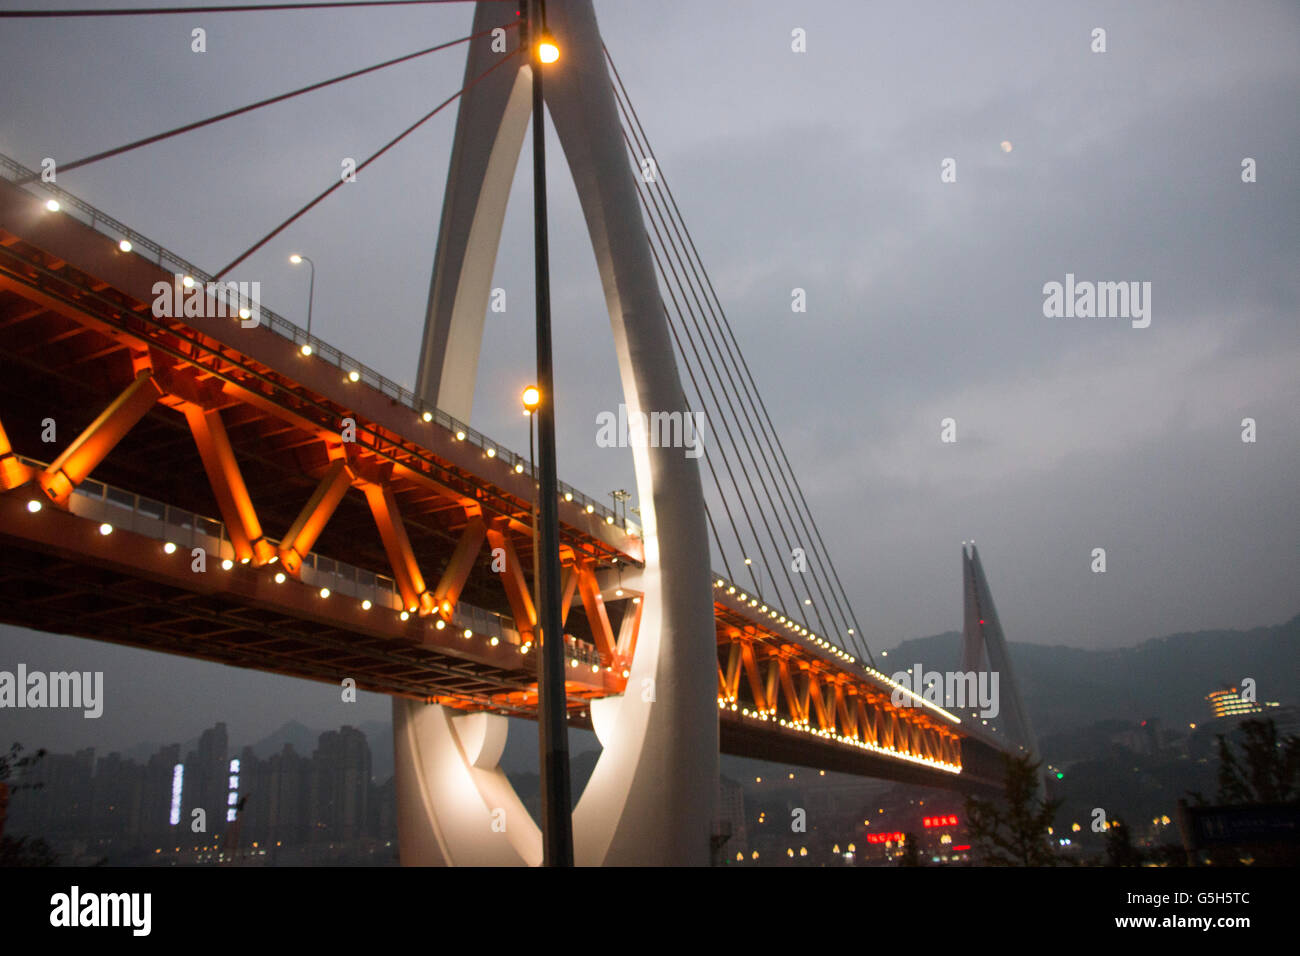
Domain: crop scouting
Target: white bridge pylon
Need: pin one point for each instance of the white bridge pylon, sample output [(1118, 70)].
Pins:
[(651, 797)]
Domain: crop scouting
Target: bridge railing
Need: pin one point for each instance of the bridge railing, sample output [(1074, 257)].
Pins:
[(186, 530), (101, 222)]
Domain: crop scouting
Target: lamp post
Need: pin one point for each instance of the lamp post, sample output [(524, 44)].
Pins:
[(297, 259), (552, 703), (531, 398)]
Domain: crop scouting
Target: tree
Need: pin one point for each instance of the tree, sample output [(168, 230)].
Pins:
[(911, 851), (1013, 832), (1119, 846), (1271, 770), (21, 851)]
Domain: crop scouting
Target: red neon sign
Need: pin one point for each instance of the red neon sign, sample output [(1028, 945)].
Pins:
[(945, 821)]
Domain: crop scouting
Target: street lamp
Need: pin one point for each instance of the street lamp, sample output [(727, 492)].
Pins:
[(297, 259), (531, 398), (552, 703)]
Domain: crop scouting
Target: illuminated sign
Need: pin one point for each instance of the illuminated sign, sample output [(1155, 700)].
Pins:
[(945, 821)]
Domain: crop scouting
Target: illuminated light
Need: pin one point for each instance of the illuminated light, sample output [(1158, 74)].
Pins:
[(618, 592), (295, 259), (405, 615), (744, 596), (439, 624), (33, 506), (850, 630), (467, 633), (306, 349), (324, 592), (227, 564), (279, 577), (803, 851), (547, 49), (245, 313), (595, 668), (188, 282), (491, 452), (460, 436), (494, 642), (125, 245), (731, 590), (365, 605), (568, 496), (626, 673), (573, 662), (609, 519), (169, 548), (981, 620), (523, 649), (354, 376), (519, 467), (718, 583), (106, 529), (52, 205), (754, 856), (636, 600), (178, 781), (747, 561), (531, 398), (590, 509), (427, 416), (789, 852), (807, 601), (245, 560)]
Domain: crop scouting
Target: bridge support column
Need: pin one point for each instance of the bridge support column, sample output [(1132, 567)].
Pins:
[(651, 797)]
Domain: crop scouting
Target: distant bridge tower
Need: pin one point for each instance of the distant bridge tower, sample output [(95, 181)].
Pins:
[(650, 799), (985, 647)]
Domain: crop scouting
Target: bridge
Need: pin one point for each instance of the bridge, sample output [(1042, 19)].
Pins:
[(184, 470)]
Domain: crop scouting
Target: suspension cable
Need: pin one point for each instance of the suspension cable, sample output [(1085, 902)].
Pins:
[(385, 148), (840, 599), (222, 8), (108, 153)]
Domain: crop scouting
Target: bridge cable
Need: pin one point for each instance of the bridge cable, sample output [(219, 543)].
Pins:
[(656, 216), (846, 615), (385, 148), (657, 212), (696, 343), (107, 154), (841, 599), (222, 8)]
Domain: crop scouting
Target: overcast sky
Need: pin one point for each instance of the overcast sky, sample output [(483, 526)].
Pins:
[(817, 170)]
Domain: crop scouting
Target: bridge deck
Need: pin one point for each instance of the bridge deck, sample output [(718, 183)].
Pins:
[(77, 328)]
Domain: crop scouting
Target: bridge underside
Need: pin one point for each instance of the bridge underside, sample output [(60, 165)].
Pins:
[(74, 325)]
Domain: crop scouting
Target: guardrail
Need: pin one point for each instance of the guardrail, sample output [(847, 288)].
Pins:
[(119, 508), (141, 245)]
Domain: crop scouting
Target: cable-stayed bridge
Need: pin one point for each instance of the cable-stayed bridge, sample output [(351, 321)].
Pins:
[(184, 470)]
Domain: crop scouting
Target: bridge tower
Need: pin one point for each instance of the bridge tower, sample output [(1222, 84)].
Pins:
[(651, 796), (984, 647)]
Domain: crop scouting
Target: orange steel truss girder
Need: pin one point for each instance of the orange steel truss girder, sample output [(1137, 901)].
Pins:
[(311, 521), (100, 437), (594, 605), (410, 582), (453, 579), (825, 717), (628, 631), (512, 578), (228, 484), (731, 680), (13, 472), (751, 672), (569, 577)]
